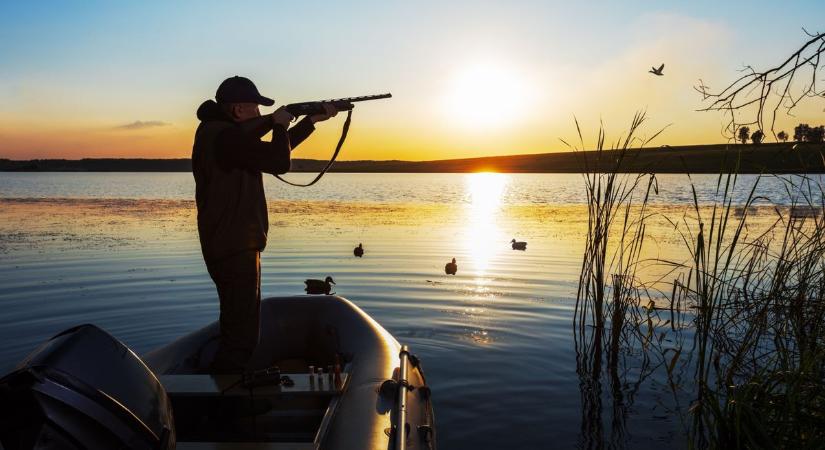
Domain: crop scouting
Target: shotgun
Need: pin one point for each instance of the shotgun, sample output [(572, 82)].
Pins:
[(263, 124)]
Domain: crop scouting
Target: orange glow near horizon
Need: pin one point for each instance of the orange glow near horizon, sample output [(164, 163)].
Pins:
[(25, 141), (450, 124)]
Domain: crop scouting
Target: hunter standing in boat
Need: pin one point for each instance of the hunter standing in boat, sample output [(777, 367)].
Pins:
[(227, 163)]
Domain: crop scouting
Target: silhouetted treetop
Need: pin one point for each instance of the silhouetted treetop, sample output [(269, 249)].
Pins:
[(757, 137), (744, 133)]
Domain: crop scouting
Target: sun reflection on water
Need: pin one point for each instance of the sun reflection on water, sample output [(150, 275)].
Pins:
[(483, 238)]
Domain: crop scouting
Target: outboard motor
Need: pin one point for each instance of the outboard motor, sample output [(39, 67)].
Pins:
[(84, 389)]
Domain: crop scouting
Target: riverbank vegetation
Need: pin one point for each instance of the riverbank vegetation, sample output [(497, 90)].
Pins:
[(737, 328)]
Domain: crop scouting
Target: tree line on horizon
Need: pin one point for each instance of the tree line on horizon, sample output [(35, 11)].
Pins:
[(801, 133)]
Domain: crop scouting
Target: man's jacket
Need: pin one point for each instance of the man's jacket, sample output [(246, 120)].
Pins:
[(229, 191)]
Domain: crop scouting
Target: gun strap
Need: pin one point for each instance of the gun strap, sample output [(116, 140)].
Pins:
[(331, 160)]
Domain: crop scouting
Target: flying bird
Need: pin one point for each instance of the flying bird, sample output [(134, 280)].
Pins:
[(358, 251), (318, 286), (451, 268), (658, 71)]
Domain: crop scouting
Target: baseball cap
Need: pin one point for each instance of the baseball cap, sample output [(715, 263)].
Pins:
[(240, 90)]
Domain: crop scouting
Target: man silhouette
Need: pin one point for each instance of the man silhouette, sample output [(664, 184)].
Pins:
[(227, 164)]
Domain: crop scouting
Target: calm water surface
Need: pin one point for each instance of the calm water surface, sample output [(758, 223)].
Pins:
[(121, 251)]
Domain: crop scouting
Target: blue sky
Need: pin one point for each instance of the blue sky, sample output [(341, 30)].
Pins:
[(72, 71)]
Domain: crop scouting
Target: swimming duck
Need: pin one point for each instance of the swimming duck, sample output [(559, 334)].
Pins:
[(451, 268), (358, 251), (318, 286), (518, 245)]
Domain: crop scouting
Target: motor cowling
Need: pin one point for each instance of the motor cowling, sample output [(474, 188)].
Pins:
[(84, 389)]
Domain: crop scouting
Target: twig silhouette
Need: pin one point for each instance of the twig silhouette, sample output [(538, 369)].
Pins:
[(780, 87)]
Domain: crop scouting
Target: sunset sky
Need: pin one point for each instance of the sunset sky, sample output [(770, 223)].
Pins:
[(468, 78)]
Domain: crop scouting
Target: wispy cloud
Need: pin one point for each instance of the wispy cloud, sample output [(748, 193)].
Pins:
[(142, 124)]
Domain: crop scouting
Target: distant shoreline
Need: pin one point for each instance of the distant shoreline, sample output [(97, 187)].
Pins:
[(765, 158)]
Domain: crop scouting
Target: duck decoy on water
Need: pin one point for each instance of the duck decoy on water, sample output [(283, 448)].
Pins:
[(358, 251), (451, 268), (318, 286), (518, 245)]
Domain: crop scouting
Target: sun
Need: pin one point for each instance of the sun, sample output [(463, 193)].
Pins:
[(486, 96)]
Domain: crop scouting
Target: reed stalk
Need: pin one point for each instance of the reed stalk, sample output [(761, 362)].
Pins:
[(746, 316)]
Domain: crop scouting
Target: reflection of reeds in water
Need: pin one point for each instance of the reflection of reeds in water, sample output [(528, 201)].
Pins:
[(759, 344), (754, 306), (615, 234)]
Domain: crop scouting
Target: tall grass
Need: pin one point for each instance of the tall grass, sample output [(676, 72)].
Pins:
[(617, 207), (746, 310), (757, 354), (615, 227)]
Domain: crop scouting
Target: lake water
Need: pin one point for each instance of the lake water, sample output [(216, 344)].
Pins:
[(120, 250)]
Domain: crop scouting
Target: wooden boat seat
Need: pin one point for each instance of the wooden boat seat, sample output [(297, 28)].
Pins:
[(218, 409), (206, 385)]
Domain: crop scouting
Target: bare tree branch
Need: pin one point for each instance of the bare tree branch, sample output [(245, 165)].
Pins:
[(779, 88)]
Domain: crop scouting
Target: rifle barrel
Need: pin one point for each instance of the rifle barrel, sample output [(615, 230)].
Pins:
[(362, 98), (342, 104), (259, 126)]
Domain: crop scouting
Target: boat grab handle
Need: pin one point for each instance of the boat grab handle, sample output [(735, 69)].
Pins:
[(401, 404)]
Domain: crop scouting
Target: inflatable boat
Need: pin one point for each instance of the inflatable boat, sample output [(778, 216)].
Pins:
[(324, 375)]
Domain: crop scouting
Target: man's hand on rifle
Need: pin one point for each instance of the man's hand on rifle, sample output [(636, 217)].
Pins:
[(329, 111), (282, 117)]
